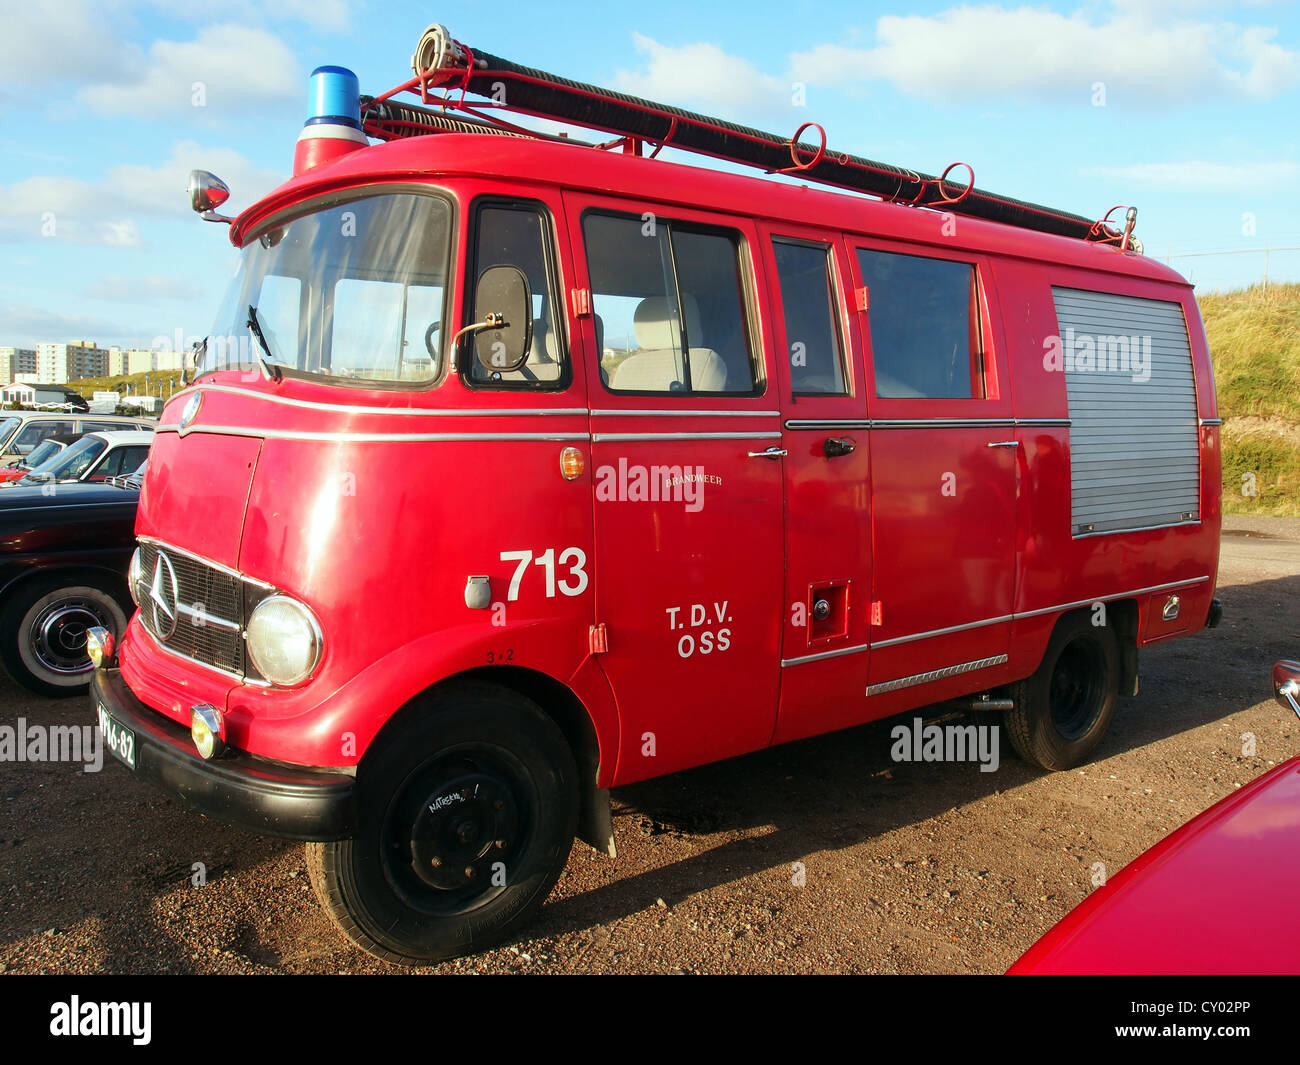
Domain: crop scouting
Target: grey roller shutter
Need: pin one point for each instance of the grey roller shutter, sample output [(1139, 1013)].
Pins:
[(1134, 440)]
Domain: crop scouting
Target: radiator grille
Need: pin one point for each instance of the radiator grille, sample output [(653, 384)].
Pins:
[(208, 610)]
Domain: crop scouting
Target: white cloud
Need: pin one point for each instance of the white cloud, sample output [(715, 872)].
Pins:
[(107, 211), (150, 287), (64, 41), (1032, 52), (1202, 176), (24, 325), (227, 68), (327, 16), (702, 75)]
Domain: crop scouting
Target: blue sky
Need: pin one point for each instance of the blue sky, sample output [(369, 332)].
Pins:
[(1189, 110)]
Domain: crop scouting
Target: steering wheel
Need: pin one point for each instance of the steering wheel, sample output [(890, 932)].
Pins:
[(428, 340)]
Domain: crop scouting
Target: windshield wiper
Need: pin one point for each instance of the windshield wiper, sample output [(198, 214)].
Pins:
[(269, 369)]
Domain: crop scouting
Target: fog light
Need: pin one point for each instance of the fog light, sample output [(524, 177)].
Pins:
[(208, 730), (100, 645)]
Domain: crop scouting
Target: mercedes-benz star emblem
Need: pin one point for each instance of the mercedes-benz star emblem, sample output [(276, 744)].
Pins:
[(162, 597)]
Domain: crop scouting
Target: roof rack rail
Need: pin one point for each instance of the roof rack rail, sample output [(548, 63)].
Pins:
[(457, 71)]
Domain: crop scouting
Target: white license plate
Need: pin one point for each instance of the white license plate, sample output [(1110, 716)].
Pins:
[(119, 739)]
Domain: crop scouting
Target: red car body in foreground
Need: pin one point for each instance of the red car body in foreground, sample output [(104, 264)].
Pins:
[(1217, 896)]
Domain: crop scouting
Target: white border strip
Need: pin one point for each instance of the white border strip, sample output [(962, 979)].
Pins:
[(361, 438)]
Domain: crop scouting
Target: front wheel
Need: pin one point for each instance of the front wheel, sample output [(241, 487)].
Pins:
[(466, 816), (1061, 713), (43, 630)]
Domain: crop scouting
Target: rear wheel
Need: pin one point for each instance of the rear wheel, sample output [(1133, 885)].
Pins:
[(43, 630), (466, 816), (1061, 713)]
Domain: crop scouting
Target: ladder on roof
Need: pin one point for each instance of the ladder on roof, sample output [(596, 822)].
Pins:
[(442, 63)]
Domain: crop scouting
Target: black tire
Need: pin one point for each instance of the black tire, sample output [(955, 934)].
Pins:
[(1062, 712), (479, 766), (43, 627)]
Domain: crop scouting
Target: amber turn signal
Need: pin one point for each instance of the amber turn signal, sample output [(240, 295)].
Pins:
[(572, 463)]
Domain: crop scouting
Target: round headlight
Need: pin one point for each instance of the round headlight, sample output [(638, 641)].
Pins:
[(133, 577), (283, 640)]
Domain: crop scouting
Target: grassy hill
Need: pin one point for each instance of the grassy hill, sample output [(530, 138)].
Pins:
[(1254, 338), (132, 383)]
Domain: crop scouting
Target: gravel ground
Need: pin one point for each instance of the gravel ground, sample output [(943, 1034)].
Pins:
[(906, 868)]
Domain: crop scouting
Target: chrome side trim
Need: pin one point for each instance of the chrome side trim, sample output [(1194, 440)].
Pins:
[(1211, 421), (824, 654), (923, 423), (940, 423), (1117, 595), (207, 562), (685, 413), (828, 423), (599, 438), (362, 438), (70, 503), (1036, 613), (1135, 528), (945, 631), (935, 674), (308, 404)]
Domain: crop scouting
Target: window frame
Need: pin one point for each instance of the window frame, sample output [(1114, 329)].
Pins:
[(744, 262), (323, 319), (996, 401), (836, 305), (465, 359)]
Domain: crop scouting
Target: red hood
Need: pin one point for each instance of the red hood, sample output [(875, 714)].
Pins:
[(1220, 895)]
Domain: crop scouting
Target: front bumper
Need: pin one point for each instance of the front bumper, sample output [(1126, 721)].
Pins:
[(237, 788)]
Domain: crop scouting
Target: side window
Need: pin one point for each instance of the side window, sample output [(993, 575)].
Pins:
[(925, 335), (520, 236), (34, 432), (118, 461), (812, 329), (669, 305)]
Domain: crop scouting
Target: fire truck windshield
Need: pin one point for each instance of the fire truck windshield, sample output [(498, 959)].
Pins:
[(355, 290)]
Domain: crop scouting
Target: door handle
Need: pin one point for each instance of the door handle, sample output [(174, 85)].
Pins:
[(1004, 443), (836, 446), (773, 452)]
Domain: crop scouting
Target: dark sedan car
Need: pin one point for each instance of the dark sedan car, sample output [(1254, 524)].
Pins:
[(64, 552)]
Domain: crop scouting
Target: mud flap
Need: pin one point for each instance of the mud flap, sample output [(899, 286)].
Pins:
[(596, 824)]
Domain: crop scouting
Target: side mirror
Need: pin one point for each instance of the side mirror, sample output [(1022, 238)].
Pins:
[(207, 193), (1286, 685), (502, 292)]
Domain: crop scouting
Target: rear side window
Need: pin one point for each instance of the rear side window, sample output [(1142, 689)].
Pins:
[(34, 432), (812, 333), (670, 306), (121, 460), (510, 235), (924, 318)]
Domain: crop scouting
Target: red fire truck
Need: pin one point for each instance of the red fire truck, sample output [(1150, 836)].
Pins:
[(548, 466)]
